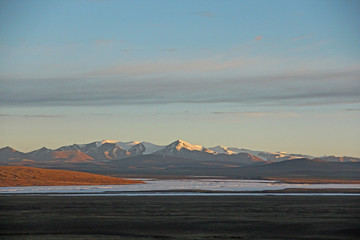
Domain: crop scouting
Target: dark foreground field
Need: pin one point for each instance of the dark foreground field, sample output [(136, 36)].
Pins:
[(185, 217)]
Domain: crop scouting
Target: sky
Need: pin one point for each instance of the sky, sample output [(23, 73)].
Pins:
[(264, 75)]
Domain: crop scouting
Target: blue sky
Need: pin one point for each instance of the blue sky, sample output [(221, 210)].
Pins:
[(265, 75)]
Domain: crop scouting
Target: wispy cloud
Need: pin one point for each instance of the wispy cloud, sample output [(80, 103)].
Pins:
[(352, 109), (258, 38), (243, 114), (302, 89), (172, 66), (31, 115), (212, 80), (102, 114), (204, 14), (260, 114)]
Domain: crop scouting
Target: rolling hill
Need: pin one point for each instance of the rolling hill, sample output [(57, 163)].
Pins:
[(28, 176)]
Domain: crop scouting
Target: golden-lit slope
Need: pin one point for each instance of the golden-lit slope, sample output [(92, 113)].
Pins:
[(28, 176)]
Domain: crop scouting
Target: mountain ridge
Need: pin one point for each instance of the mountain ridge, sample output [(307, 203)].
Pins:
[(117, 150), (181, 158)]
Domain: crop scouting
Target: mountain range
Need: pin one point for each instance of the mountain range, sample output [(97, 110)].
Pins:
[(181, 158)]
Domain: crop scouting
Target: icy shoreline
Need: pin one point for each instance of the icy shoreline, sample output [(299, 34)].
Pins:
[(185, 185)]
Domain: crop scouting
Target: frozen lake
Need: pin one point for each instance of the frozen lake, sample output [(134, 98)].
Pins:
[(175, 185)]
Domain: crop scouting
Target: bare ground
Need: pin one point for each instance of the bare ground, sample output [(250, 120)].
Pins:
[(184, 217), (29, 176)]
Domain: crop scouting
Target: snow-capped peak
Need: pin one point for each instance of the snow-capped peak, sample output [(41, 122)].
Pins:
[(133, 143), (127, 145), (179, 144), (99, 143), (221, 149), (137, 149), (123, 145), (183, 148)]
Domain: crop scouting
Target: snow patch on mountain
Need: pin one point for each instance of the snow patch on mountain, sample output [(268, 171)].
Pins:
[(223, 150), (179, 144), (106, 150), (127, 145), (99, 143), (137, 149), (267, 156), (151, 148)]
